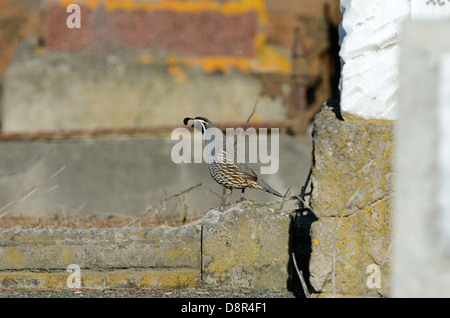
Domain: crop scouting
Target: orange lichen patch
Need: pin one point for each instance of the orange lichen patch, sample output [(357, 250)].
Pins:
[(229, 7), (93, 4), (220, 63), (178, 73), (270, 60), (211, 64), (145, 58)]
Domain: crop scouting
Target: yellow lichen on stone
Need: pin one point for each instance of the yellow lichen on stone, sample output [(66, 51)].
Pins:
[(245, 245), (13, 256)]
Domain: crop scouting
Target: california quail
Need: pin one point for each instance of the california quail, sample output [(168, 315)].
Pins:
[(228, 172)]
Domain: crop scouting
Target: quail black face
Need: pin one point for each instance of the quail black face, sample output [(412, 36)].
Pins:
[(187, 119), (204, 122)]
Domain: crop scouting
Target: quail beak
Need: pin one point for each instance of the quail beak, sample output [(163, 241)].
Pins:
[(186, 120)]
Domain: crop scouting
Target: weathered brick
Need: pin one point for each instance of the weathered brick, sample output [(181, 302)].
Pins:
[(213, 28)]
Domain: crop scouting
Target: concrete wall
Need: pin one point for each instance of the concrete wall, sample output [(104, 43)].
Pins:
[(107, 176), (64, 90), (143, 63)]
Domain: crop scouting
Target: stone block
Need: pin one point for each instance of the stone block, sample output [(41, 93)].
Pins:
[(352, 199), (245, 245), (352, 164)]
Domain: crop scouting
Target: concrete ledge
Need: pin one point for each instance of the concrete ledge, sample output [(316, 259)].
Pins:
[(113, 279), (243, 245), (50, 249)]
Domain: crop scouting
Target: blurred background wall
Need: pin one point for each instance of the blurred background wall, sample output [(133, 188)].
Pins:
[(101, 100), (140, 63)]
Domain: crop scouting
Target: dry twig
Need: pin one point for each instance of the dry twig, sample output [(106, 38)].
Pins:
[(283, 199), (22, 198), (251, 115), (302, 279)]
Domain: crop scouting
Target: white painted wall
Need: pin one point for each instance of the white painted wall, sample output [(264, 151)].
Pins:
[(370, 48)]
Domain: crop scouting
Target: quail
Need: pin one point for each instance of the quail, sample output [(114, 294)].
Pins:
[(225, 168)]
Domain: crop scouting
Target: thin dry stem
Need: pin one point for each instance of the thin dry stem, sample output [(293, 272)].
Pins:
[(170, 197), (302, 279), (22, 198)]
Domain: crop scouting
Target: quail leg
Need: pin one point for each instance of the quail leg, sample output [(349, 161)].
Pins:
[(242, 195), (227, 199)]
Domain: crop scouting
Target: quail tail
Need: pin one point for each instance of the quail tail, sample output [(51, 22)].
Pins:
[(268, 188)]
